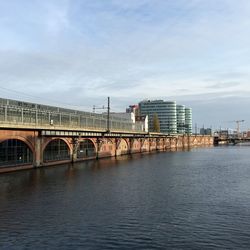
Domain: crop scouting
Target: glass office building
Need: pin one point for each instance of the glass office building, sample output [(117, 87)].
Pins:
[(180, 109), (188, 121), (173, 119), (166, 111)]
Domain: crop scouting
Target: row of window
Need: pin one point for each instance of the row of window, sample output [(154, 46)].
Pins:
[(16, 152)]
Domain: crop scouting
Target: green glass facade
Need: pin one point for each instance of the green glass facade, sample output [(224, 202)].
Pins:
[(180, 110), (188, 121), (166, 111), (174, 119)]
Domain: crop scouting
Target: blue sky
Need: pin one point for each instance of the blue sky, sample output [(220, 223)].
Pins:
[(75, 53)]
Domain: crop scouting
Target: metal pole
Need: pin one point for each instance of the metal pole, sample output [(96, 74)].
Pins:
[(5, 113), (22, 115), (108, 127)]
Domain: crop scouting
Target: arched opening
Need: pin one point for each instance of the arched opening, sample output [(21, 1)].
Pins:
[(123, 147), (86, 149), (56, 150), (144, 145), (15, 152)]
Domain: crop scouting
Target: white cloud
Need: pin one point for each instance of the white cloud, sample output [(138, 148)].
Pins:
[(129, 50)]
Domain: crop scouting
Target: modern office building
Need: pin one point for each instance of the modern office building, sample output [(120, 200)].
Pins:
[(180, 110), (166, 112), (205, 131), (188, 121)]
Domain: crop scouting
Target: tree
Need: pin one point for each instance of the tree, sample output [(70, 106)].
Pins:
[(156, 123)]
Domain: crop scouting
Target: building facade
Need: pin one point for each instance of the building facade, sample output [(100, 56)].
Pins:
[(180, 110), (173, 118), (133, 109), (188, 121), (205, 131), (166, 112)]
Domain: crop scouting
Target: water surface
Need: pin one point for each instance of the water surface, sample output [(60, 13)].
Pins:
[(197, 199)]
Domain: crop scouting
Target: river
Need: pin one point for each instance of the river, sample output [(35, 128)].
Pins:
[(198, 199)]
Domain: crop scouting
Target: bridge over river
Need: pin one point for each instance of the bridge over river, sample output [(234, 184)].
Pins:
[(34, 135), (230, 140)]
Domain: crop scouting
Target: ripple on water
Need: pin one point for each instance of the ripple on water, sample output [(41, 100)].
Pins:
[(184, 200)]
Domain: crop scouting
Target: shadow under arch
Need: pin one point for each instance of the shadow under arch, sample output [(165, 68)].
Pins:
[(14, 152), (86, 148), (123, 147), (56, 150)]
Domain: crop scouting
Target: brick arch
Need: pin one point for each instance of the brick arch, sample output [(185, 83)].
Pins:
[(90, 139), (145, 144), (137, 141), (56, 138), (109, 140), (126, 141), (57, 157), (192, 140), (21, 138), (136, 144)]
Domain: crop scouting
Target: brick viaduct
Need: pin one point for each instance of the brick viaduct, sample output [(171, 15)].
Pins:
[(102, 146)]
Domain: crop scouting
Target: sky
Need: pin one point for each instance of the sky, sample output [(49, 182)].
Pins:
[(76, 53)]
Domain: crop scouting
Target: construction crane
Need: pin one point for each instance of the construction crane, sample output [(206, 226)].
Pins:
[(238, 125)]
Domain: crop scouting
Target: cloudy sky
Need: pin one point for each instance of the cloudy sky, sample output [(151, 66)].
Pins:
[(75, 53)]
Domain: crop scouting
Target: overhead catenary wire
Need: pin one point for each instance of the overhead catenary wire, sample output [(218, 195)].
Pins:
[(55, 102)]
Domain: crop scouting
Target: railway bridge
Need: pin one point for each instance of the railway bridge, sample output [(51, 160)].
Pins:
[(230, 140), (33, 135)]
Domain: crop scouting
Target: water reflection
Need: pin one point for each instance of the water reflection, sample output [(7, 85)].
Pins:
[(196, 199)]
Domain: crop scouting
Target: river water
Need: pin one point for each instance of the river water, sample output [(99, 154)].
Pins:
[(198, 199)]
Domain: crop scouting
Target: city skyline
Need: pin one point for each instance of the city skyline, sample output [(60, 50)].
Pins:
[(80, 52)]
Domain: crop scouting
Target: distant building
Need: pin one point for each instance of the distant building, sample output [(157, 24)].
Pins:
[(133, 109), (248, 134), (224, 133), (244, 134), (166, 111), (143, 122), (205, 131), (180, 111), (188, 121)]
